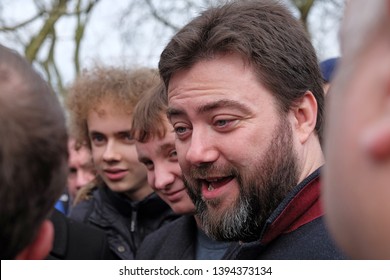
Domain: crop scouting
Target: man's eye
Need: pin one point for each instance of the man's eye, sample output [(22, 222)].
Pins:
[(221, 122), (225, 124), (72, 170), (149, 165), (180, 130), (126, 136), (97, 138), (173, 154)]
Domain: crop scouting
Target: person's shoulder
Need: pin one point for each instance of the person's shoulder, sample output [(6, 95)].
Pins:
[(181, 223), (182, 226), (310, 241), (165, 231), (83, 208), (156, 212), (76, 241), (93, 242), (171, 241), (85, 193)]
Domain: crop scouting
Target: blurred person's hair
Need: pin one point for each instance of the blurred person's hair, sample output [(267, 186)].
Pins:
[(86, 192), (33, 152)]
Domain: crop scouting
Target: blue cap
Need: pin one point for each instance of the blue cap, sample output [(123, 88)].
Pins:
[(328, 67)]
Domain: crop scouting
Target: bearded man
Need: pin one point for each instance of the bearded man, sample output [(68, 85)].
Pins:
[(245, 100)]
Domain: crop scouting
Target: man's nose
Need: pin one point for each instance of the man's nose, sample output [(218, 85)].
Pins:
[(202, 148)]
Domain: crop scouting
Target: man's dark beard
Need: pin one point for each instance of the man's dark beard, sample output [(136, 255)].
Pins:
[(261, 190)]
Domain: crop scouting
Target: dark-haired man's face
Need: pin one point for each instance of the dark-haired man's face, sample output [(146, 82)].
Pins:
[(261, 188), (235, 149)]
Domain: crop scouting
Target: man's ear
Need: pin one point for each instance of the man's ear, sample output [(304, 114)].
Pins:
[(42, 244), (376, 138), (305, 116)]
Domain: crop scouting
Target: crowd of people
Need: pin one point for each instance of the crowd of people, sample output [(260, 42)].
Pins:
[(231, 149)]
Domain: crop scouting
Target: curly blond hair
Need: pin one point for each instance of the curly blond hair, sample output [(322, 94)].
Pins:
[(124, 87)]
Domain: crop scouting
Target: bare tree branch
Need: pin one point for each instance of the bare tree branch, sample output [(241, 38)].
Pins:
[(160, 18), (304, 7), (80, 29), (36, 42), (21, 24), (50, 66)]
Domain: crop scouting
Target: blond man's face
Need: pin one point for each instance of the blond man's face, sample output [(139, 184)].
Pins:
[(114, 153)]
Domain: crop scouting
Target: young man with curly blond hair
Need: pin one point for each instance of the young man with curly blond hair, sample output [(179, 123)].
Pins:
[(101, 103)]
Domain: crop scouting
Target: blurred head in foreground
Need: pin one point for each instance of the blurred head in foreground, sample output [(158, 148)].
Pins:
[(33, 159), (357, 177)]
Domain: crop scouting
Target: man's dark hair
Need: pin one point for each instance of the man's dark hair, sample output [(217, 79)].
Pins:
[(266, 35), (33, 152), (149, 115)]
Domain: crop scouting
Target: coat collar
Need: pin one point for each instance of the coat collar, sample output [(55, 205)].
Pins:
[(300, 207)]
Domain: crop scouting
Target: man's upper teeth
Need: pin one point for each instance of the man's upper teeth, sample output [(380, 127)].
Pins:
[(213, 180), (210, 188)]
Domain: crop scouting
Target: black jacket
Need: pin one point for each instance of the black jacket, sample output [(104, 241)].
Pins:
[(171, 242), (77, 241), (125, 222), (295, 230), (174, 241)]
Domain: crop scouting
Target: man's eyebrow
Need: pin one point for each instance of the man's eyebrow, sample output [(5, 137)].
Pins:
[(94, 133), (174, 112), (167, 146), (122, 133), (88, 164), (116, 133), (224, 103)]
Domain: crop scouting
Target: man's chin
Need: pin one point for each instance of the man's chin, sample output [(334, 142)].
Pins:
[(214, 205)]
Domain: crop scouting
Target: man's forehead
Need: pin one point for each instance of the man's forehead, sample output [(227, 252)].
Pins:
[(210, 106)]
